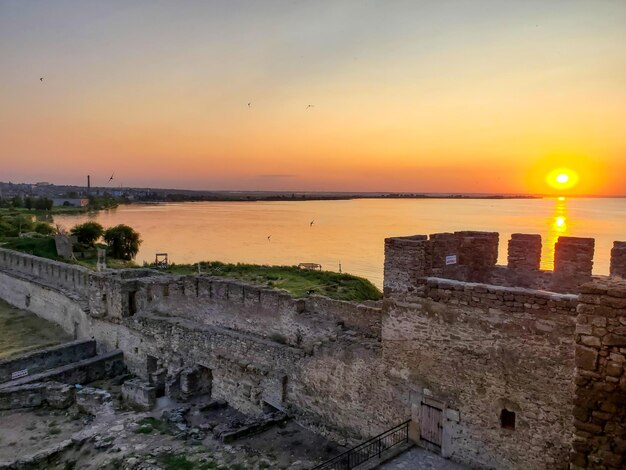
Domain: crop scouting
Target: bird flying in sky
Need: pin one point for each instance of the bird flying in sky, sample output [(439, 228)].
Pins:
[(250, 105), (41, 79), (111, 178), (309, 106), (268, 238), (311, 224)]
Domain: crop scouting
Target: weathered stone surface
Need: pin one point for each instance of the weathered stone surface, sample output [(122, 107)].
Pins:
[(601, 405), (53, 394), (92, 400), (139, 394)]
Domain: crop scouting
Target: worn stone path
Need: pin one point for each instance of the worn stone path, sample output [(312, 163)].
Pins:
[(420, 459)]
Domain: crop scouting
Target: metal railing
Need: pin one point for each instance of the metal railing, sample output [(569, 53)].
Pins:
[(369, 449)]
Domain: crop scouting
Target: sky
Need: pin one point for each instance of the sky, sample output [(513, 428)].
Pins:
[(407, 96)]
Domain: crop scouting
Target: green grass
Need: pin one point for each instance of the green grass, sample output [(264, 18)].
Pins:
[(176, 462), (111, 263), (296, 281), (44, 246), (23, 331), (54, 210), (149, 424)]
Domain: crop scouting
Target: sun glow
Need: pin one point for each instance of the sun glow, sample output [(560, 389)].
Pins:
[(562, 178)]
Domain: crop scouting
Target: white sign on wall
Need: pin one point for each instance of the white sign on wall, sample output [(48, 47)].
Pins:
[(450, 259), (19, 373)]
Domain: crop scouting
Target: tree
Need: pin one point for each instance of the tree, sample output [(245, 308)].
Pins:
[(28, 202), (123, 242), (87, 233), (43, 204), (17, 201)]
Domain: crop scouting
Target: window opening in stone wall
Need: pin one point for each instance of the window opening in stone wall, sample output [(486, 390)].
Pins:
[(507, 419), (132, 303), (152, 363), (205, 380)]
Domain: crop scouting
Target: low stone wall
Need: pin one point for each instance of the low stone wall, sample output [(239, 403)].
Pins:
[(44, 359), (53, 394), (600, 399), (86, 371), (491, 297)]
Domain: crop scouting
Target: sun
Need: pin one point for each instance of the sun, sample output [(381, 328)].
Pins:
[(562, 178)]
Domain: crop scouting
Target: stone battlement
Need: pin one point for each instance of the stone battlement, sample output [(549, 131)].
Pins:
[(472, 256), (52, 273)]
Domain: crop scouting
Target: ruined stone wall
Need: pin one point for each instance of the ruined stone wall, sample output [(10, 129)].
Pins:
[(240, 306), (70, 278), (600, 398), (479, 350), (329, 388)]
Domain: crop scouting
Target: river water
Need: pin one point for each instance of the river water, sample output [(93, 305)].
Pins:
[(351, 233)]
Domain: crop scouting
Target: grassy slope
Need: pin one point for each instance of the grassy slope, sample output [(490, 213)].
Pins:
[(24, 331), (44, 247), (294, 280), (298, 282)]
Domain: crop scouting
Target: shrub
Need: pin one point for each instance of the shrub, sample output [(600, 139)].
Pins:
[(278, 338), (44, 228)]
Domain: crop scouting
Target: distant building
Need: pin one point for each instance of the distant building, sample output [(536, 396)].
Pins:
[(70, 202)]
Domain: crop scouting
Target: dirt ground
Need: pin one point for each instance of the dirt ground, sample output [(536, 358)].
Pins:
[(119, 438), (28, 432), (24, 331)]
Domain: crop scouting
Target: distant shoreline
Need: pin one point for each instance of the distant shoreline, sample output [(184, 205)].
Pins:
[(295, 197)]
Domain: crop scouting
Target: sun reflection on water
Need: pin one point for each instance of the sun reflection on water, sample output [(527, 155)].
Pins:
[(558, 227)]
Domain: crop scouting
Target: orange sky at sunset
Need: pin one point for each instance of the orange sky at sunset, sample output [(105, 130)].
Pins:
[(480, 96)]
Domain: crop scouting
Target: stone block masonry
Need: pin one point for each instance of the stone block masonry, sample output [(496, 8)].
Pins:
[(600, 397), (573, 262), (44, 359), (618, 260), (524, 252)]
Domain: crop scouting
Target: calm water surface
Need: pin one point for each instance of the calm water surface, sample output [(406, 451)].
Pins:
[(351, 233)]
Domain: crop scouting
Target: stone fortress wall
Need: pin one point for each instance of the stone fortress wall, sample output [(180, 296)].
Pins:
[(501, 353)]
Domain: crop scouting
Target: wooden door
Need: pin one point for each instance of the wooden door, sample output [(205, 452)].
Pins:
[(431, 425)]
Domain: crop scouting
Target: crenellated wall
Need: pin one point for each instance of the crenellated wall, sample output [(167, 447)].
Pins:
[(71, 278), (472, 256)]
